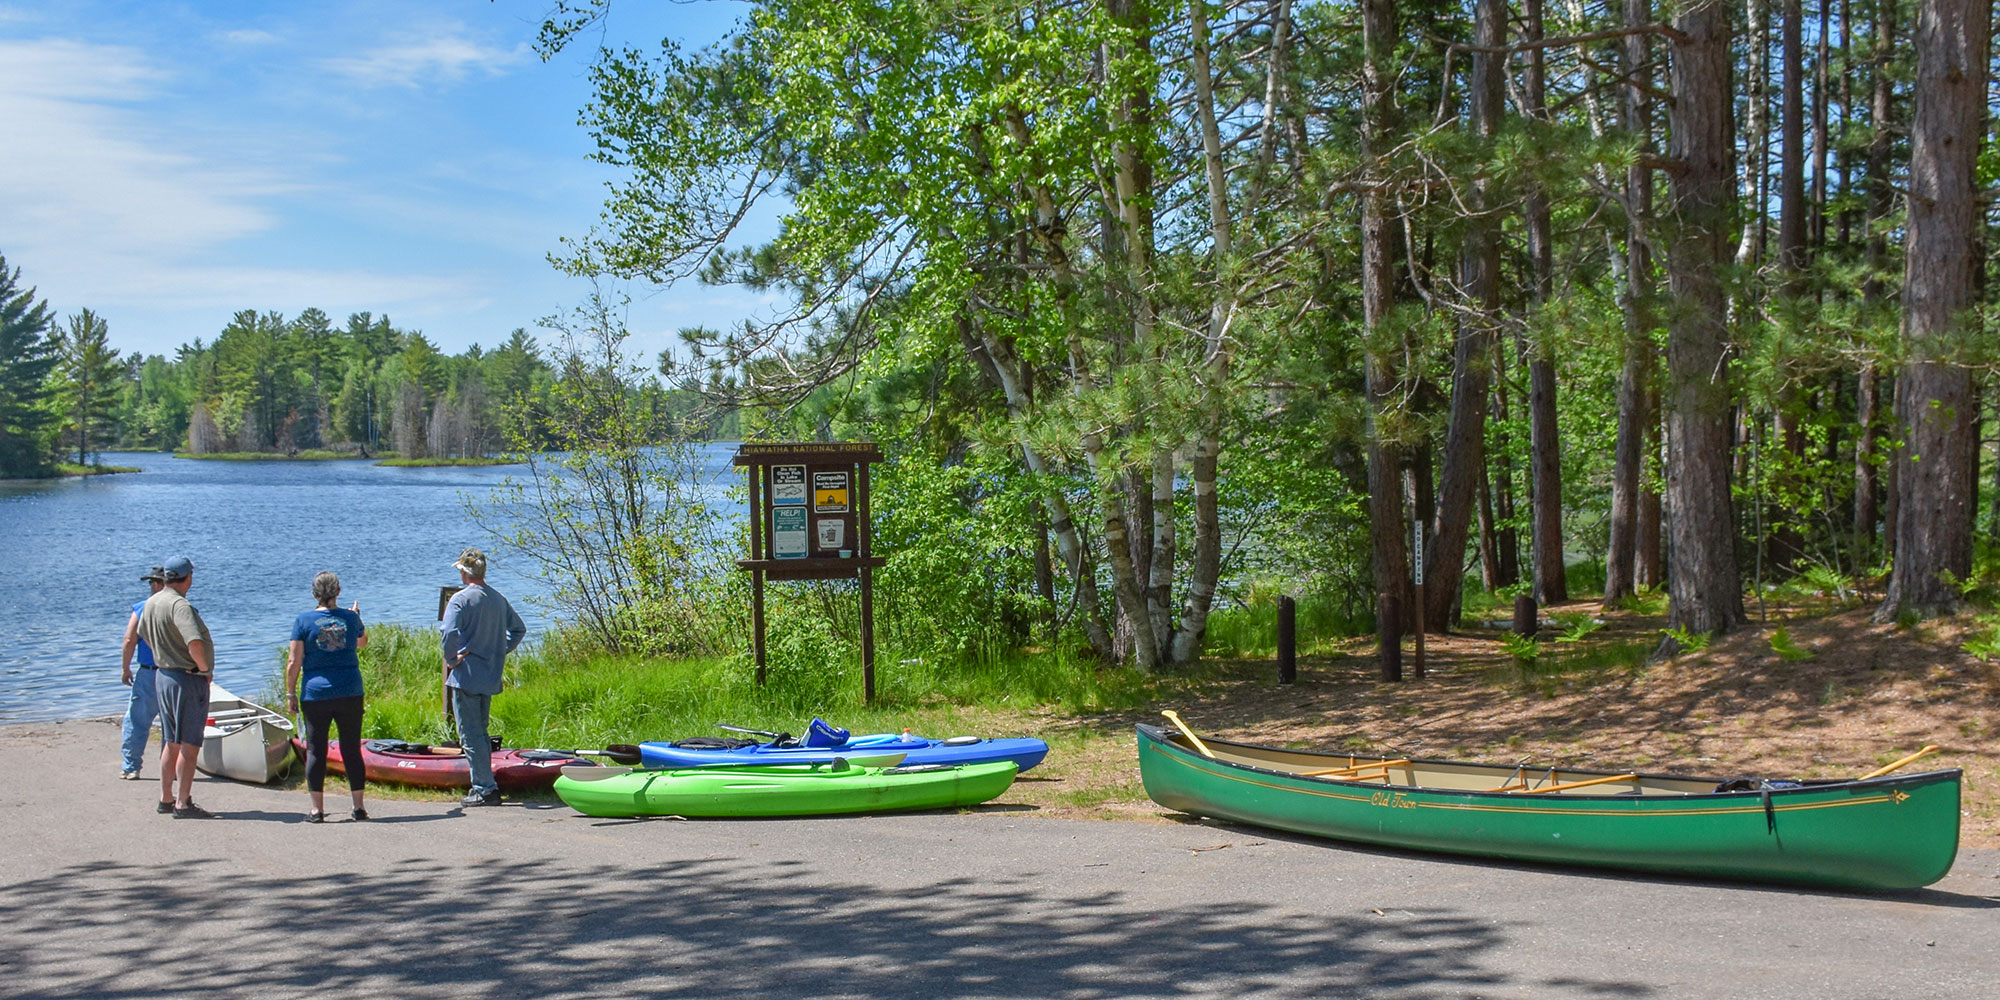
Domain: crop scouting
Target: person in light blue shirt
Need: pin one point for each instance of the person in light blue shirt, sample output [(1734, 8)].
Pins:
[(144, 705), (480, 629)]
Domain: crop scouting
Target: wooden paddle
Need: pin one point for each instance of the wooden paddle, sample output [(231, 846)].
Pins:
[(1911, 759), (1175, 718)]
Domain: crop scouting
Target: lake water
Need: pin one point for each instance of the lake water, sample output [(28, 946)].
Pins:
[(257, 532)]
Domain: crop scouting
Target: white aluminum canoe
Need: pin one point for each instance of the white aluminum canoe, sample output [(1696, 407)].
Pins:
[(243, 740)]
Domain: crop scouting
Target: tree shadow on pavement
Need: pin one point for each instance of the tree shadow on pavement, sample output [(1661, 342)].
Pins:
[(730, 927)]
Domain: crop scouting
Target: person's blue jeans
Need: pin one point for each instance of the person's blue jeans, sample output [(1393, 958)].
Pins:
[(139, 716), (474, 711)]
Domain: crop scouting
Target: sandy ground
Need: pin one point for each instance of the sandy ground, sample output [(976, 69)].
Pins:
[(106, 899)]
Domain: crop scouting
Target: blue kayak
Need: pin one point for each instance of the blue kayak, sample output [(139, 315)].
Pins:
[(822, 743)]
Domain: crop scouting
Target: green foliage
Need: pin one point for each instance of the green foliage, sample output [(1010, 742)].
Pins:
[(960, 541), (1250, 630), (1689, 642), (1983, 640), (617, 517), (87, 378), (1982, 584), (1524, 649), (1781, 644), (1576, 625), (1650, 601), (1828, 582), (811, 670), (26, 359)]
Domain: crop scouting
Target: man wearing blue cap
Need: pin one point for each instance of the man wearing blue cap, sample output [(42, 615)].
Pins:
[(144, 704), (185, 658)]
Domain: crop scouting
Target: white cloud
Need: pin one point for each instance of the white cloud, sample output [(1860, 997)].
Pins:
[(249, 36), (445, 59), (115, 199), (89, 171)]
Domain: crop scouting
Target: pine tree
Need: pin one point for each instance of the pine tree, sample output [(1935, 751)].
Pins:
[(26, 357), (89, 375)]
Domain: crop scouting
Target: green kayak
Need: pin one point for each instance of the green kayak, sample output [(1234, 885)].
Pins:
[(781, 789), (1879, 831)]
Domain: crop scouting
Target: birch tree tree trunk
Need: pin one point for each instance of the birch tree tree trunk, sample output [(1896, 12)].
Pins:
[(1132, 179), (1936, 407)]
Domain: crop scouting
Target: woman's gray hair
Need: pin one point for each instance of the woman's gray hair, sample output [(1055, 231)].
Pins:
[(326, 586)]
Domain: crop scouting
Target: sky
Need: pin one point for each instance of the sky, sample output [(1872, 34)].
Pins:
[(168, 164)]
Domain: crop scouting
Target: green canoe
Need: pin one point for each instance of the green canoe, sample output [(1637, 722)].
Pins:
[(1895, 832), (781, 789)]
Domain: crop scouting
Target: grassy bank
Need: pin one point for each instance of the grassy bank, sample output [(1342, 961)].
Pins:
[(72, 469)]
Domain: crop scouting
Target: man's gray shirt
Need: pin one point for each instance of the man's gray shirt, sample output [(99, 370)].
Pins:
[(481, 622)]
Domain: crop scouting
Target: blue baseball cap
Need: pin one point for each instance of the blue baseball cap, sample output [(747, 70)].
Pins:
[(177, 568)]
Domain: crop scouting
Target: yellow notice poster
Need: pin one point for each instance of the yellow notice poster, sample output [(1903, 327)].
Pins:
[(830, 492)]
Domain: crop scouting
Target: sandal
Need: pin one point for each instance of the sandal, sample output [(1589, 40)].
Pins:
[(315, 817)]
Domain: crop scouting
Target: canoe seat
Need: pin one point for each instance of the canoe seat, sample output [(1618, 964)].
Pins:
[(1336, 772), (1566, 786)]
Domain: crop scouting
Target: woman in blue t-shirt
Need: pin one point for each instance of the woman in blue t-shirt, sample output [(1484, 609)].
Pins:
[(323, 677)]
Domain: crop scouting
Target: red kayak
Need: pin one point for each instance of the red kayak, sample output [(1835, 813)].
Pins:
[(445, 767)]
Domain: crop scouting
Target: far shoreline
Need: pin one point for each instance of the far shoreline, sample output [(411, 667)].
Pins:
[(65, 470), (384, 459)]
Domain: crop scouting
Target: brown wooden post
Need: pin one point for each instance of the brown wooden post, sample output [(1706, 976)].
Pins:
[(757, 621), (1389, 630), (860, 544), (1288, 640), (1527, 616), (758, 519)]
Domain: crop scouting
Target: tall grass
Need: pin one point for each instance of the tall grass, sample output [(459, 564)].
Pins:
[(1250, 631)]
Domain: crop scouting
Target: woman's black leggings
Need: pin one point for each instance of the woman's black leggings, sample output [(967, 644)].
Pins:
[(346, 713)]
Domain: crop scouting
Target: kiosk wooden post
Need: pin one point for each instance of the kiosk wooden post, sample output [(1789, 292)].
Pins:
[(809, 521)]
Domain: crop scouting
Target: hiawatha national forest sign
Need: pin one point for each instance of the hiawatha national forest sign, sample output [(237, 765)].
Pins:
[(809, 517)]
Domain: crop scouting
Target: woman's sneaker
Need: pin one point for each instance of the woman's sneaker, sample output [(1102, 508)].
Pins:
[(192, 811)]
